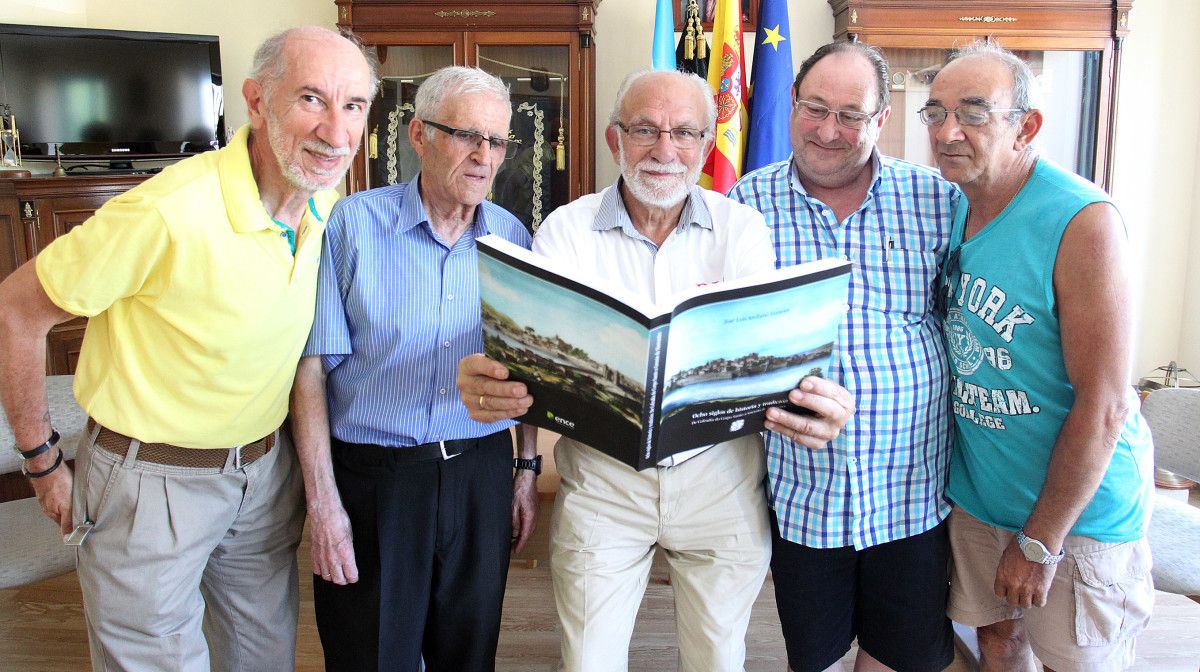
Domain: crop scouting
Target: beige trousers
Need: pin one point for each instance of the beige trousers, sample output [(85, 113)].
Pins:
[(708, 514), (190, 569)]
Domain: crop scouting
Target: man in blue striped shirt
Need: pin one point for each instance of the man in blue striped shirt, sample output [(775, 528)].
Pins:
[(412, 504), (859, 526)]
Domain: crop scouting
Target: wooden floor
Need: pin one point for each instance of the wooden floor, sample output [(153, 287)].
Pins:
[(51, 635)]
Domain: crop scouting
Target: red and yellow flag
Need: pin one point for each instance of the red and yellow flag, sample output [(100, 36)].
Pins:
[(726, 68)]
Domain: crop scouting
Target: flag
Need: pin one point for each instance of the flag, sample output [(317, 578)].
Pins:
[(662, 54), (768, 135), (691, 55), (726, 79)]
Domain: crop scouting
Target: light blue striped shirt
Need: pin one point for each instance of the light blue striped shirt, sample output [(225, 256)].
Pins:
[(884, 477), (396, 309)]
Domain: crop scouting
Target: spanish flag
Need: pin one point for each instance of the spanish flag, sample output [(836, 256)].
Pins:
[(728, 84)]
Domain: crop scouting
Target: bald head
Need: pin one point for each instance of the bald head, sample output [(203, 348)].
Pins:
[(659, 80), (278, 53)]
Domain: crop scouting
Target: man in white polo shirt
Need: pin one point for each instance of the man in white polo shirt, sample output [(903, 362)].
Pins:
[(656, 233)]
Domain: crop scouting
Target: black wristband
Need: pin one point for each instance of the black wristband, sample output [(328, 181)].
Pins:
[(38, 474), (34, 452), (533, 464)]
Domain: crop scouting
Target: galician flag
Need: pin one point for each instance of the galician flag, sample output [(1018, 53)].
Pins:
[(728, 84), (662, 55), (767, 137)]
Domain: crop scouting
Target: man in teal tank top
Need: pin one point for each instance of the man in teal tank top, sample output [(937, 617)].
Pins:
[(1051, 472)]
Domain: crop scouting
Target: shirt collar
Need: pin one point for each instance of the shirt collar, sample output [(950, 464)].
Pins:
[(613, 215), (413, 213), (243, 203)]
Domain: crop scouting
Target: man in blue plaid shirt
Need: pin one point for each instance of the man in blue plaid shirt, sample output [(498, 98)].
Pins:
[(859, 524)]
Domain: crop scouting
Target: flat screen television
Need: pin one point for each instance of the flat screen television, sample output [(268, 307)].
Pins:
[(111, 94)]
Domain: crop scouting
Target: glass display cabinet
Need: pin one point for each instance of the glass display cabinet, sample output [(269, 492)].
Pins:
[(541, 48), (1073, 47)]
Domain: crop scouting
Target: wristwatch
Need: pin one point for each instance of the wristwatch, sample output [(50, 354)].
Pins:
[(1036, 551), (534, 465)]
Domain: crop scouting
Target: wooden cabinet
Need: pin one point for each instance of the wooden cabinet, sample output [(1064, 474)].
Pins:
[(1073, 46), (541, 48), (35, 211)]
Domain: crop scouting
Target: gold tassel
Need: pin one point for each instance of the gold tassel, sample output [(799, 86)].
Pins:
[(373, 143), (560, 150), (702, 48), (689, 44)]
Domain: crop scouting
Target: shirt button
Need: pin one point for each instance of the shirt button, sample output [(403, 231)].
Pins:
[(442, 391), (445, 344), (853, 460), (449, 297)]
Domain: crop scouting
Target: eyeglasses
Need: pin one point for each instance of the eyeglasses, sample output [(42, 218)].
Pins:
[(645, 135), (967, 115), (817, 112), (472, 139), (947, 282)]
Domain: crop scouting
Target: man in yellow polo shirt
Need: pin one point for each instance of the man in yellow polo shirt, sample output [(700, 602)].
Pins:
[(199, 285)]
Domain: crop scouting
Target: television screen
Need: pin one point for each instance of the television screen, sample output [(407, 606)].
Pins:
[(103, 93)]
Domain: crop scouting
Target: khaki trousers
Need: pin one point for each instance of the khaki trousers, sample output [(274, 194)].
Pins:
[(708, 514), (186, 562)]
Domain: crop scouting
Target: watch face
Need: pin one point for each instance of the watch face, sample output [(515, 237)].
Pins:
[(1034, 550)]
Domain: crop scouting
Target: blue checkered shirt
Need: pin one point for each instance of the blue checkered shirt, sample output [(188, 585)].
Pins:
[(884, 477), (396, 309)]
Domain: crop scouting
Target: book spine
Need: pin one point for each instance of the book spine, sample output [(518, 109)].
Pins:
[(655, 363)]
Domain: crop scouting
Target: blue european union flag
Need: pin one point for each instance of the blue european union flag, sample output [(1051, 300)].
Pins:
[(768, 139)]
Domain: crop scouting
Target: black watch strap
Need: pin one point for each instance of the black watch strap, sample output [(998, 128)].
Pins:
[(534, 465), (34, 452)]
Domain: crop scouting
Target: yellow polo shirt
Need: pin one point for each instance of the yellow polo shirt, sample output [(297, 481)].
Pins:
[(199, 311)]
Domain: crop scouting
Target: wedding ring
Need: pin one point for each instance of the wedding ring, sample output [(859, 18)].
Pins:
[(481, 407)]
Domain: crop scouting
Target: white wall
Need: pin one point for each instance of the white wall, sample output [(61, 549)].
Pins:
[(1157, 179)]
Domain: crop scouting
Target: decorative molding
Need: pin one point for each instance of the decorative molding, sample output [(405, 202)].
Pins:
[(463, 13), (1123, 19), (345, 12), (585, 15), (988, 19), (539, 132), (854, 16), (395, 119)]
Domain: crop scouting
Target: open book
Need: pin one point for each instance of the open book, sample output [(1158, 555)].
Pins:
[(642, 382)]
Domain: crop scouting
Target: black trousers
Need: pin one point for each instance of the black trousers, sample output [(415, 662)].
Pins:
[(431, 539)]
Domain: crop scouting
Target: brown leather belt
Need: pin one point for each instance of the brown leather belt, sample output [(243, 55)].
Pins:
[(177, 456)]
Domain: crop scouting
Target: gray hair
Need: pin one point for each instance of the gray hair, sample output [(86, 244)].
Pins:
[(269, 64), (701, 86), (873, 56), (1024, 86), (455, 80)]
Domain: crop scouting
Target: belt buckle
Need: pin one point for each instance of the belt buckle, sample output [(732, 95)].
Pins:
[(445, 456), (237, 456)]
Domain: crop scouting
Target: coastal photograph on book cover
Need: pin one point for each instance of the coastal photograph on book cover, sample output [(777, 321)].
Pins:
[(583, 361), (728, 361)]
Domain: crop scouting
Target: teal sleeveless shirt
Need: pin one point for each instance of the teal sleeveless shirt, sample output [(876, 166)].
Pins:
[(1009, 388)]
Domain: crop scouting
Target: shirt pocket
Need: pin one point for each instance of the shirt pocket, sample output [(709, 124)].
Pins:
[(1113, 593), (897, 281)]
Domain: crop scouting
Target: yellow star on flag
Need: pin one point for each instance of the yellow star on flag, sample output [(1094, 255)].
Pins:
[(773, 37)]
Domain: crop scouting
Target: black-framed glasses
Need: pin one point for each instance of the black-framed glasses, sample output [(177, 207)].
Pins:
[(947, 283), (970, 114), (473, 139), (646, 135), (817, 112)]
